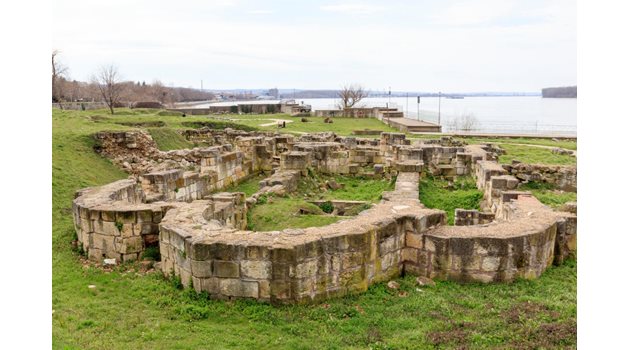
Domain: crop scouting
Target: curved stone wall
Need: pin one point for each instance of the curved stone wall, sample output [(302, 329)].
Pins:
[(202, 237)]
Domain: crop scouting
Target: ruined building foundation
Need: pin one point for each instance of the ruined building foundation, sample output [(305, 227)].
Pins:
[(174, 202)]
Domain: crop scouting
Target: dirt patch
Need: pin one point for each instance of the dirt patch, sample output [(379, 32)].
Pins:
[(527, 310), (558, 335), (99, 118), (457, 335), (217, 125), (151, 124)]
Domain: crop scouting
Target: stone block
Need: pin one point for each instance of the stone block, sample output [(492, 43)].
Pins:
[(102, 242), (201, 269), (126, 217), (264, 290), (306, 269), (238, 288), (413, 240), (491, 263), (129, 244), (226, 268), (280, 290), (108, 216), (255, 269), (409, 254)]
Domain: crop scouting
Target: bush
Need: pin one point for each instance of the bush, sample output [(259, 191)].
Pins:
[(327, 207), (148, 104), (152, 253)]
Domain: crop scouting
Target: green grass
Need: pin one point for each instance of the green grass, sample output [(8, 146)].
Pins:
[(548, 195), (249, 186), (534, 155), (279, 213), (129, 311), (434, 193), (341, 126), (354, 188), (169, 139)]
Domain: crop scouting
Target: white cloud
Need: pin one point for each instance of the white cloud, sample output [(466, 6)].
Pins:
[(475, 12), (310, 49), (353, 9), (261, 12)]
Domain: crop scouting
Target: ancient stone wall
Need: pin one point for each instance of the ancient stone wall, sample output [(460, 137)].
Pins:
[(203, 239), (112, 221), (562, 177), (465, 217)]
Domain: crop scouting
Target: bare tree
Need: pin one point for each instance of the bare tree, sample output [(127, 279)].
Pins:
[(465, 122), (59, 72), (108, 81), (350, 95)]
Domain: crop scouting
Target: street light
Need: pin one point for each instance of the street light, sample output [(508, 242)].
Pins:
[(439, 106)]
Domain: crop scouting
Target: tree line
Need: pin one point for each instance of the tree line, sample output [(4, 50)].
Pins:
[(108, 85)]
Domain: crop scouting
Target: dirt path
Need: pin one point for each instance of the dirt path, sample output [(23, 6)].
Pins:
[(276, 121)]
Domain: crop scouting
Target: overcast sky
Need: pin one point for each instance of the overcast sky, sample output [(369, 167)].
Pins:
[(452, 46)]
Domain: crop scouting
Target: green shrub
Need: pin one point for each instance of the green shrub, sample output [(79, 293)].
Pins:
[(262, 199), (152, 253), (327, 207)]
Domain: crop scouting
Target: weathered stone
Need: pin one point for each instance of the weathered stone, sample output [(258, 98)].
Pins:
[(393, 285), (225, 268), (238, 288), (255, 269)]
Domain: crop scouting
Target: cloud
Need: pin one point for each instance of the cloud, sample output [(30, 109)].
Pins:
[(475, 12), (353, 9), (261, 12)]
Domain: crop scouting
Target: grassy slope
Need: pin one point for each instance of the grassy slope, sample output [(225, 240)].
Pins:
[(130, 311)]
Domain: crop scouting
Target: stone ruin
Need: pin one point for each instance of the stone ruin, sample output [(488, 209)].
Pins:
[(173, 201)]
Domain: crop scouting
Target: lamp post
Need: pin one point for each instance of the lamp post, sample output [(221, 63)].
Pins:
[(439, 106)]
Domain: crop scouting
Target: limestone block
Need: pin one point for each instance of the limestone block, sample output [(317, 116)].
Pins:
[(256, 269), (280, 290), (201, 269), (238, 288), (306, 269), (226, 268), (264, 290), (491, 263), (129, 244), (126, 217)]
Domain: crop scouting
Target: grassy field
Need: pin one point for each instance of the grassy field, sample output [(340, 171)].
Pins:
[(548, 195), (533, 155), (127, 310), (435, 193)]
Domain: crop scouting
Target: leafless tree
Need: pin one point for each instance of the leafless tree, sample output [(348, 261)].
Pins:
[(59, 71), (109, 83), (350, 95), (465, 122)]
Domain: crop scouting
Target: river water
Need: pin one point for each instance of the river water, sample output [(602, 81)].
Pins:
[(504, 114)]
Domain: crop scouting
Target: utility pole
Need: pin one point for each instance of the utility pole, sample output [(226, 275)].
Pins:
[(202, 85), (439, 106), (389, 97), (418, 108), (407, 108)]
